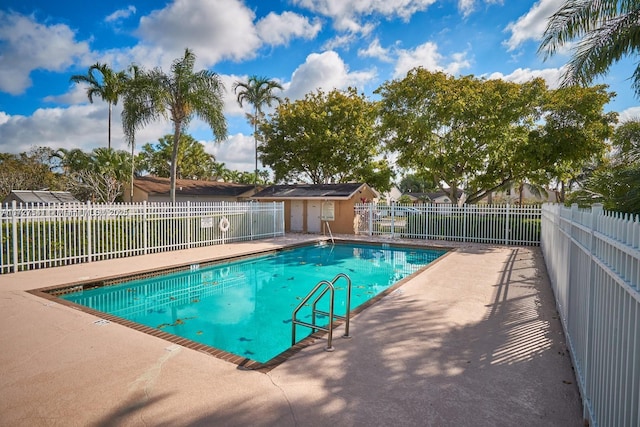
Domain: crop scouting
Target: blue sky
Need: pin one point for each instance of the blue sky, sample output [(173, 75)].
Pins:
[(305, 44)]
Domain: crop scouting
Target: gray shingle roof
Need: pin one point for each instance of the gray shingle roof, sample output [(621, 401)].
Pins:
[(309, 191), (38, 196)]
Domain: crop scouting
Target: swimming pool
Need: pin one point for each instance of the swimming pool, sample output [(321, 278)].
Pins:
[(244, 307)]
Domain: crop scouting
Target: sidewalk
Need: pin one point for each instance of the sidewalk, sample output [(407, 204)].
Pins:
[(473, 340)]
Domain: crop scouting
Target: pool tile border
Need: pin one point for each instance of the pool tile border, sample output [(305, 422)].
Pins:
[(51, 293)]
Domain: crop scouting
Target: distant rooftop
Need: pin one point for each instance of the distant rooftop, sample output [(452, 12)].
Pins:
[(309, 191), (157, 185), (39, 196)]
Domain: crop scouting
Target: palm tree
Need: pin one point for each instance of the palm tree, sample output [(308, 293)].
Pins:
[(257, 91), (109, 87), (606, 30), (73, 160), (178, 96)]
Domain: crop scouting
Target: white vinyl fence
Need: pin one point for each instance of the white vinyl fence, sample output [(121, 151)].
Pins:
[(46, 235), (496, 224), (593, 260)]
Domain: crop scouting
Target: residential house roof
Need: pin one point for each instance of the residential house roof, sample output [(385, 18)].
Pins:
[(40, 196), (433, 195), (158, 186), (310, 191)]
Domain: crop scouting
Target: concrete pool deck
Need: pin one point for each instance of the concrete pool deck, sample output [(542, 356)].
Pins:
[(472, 340)]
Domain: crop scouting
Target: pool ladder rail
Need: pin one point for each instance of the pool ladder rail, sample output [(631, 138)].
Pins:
[(321, 289), (326, 224)]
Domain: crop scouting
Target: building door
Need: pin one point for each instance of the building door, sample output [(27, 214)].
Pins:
[(314, 209), (297, 216)]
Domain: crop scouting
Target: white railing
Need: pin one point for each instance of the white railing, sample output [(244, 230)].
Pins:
[(593, 260), (496, 224), (46, 235)]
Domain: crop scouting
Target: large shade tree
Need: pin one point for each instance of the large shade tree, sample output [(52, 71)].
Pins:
[(461, 133), (179, 96), (323, 138), (107, 84), (601, 33), (257, 91), (572, 134)]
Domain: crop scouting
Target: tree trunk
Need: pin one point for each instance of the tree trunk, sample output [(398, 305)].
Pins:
[(174, 162), (109, 132), (520, 193), (133, 144), (255, 141)]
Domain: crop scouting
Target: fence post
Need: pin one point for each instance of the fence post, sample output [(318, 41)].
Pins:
[(251, 233), (596, 211), (223, 213), (189, 218), (89, 219), (275, 211), (145, 231), (464, 223), (14, 232), (506, 225), (393, 220)]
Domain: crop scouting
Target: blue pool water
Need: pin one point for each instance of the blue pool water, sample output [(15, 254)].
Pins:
[(244, 307)]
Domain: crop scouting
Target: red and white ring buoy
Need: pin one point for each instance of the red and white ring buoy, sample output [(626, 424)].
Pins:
[(224, 224)]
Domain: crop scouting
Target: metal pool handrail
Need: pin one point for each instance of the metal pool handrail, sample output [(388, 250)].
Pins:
[(328, 286), (326, 223)]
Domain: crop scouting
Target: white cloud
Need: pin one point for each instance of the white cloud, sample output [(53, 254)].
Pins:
[(467, 7), (231, 105), (375, 50), (277, 29), (341, 41), (121, 14), (214, 30), (237, 152), (326, 71), (78, 126), (77, 95), (533, 24), (552, 76), (632, 113), (427, 56), (346, 14), (26, 45)]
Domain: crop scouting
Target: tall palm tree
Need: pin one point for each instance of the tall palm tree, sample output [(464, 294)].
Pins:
[(178, 96), (606, 31), (108, 87), (257, 91)]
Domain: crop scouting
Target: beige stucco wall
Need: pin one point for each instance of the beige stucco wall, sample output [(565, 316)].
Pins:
[(138, 195), (343, 210)]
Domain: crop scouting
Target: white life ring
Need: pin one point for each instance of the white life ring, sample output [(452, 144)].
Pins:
[(224, 224)]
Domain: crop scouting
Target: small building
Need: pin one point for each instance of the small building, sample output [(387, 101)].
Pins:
[(308, 206), (39, 196), (439, 196), (156, 189), (391, 196)]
